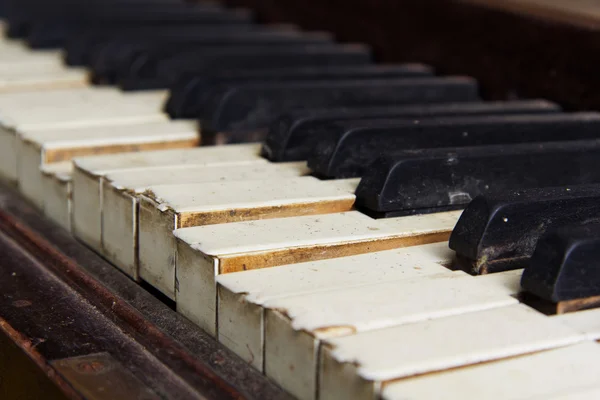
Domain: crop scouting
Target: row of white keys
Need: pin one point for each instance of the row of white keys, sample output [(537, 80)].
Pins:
[(165, 208), (241, 295), (564, 373), (89, 174), (295, 326), (203, 185), (204, 252), (357, 366), (38, 148), (26, 112)]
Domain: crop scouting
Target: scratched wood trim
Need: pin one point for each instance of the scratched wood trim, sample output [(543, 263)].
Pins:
[(66, 154), (567, 306), (583, 13), (189, 219), (266, 259)]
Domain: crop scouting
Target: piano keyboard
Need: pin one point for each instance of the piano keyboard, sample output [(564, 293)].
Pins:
[(313, 241)]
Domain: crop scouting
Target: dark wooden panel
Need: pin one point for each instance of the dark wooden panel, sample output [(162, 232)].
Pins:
[(512, 54), (59, 300)]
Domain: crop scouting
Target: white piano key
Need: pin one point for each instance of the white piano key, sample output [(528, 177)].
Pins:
[(586, 321), (120, 199), (56, 183), (507, 281), (295, 325), (206, 251), (31, 77), (241, 294), (37, 148), (356, 366), (539, 376), (165, 208), (17, 56), (89, 173)]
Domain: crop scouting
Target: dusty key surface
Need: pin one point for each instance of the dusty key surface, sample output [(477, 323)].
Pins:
[(206, 251), (241, 294), (90, 171), (295, 325), (121, 190), (586, 322), (538, 376), (356, 366)]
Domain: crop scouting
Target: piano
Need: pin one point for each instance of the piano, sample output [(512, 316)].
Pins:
[(312, 200)]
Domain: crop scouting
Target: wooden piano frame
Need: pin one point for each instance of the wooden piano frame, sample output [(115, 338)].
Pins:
[(80, 305)]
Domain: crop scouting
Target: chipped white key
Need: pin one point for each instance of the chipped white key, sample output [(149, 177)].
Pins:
[(537, 376), (586, 321), (241, 294), (206, 251), (54, 109), (121, 189), (89, 173), (38, 148), (295, 325), (165, 208), (356, 366), (56, 183)]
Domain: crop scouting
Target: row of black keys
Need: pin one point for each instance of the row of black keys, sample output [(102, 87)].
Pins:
[(420, 143)]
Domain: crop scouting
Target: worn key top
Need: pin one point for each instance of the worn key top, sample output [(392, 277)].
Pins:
[(293, 135), (564, 267), (430, 180), (345, 149), (235, 111), (499, 231), (189, 94)]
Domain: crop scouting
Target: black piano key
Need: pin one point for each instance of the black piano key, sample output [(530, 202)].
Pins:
[(50, 15), (208, 60), (431, 180), (53, 32), (565, 264), (189, 94), (345, 149), (146, 73), (235, 111), (293, 135), (499, 231), (81, 48), (118, 55)]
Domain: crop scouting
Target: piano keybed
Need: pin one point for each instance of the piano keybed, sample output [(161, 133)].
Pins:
[(320, 257)]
